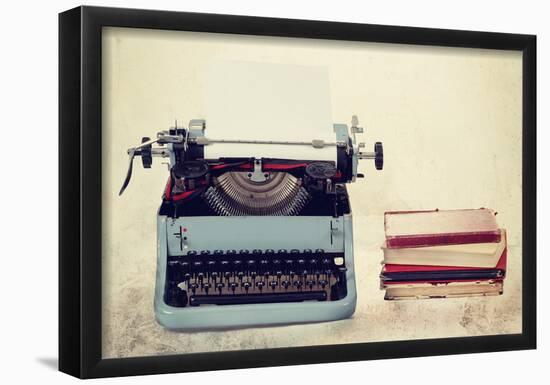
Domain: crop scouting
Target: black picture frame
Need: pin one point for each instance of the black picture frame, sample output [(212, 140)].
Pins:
[(80, 190)]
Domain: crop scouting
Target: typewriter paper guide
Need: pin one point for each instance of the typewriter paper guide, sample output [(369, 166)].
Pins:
[(268, 101)]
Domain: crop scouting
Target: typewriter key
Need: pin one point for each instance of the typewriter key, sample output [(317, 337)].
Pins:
[(194, 286)]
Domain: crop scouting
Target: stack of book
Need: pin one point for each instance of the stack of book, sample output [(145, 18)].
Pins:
[(440, 254)]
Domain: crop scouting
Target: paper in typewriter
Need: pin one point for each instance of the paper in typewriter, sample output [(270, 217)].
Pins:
[(268, 101)]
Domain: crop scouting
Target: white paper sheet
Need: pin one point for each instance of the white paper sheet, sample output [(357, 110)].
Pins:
[(266, 101)]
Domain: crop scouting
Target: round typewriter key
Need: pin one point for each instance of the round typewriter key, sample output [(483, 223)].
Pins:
[(252, 268), (264, 266), (172, 266), (285, 284), (302, 267), (273, 284)]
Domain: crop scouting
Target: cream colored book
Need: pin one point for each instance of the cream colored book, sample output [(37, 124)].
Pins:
[(440, 227), (484, 255), (443, 290)]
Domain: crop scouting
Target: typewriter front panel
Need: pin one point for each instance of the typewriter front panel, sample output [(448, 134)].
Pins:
[(197, 234), (250, 260)]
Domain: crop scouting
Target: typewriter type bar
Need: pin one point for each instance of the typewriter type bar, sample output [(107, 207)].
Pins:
[(230, 277)]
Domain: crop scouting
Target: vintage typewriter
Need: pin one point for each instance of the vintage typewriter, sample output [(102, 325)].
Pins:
[(253, 241)]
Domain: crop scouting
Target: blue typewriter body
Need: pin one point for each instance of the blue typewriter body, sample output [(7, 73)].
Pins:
[(245, 242)]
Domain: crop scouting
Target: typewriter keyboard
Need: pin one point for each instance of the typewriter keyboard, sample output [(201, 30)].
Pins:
[(228, 277)]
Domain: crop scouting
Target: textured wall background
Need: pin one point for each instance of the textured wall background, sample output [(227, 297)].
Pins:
[(450, 120)]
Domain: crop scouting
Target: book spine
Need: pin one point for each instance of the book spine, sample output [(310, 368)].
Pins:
[(397, 242), (440, 282)]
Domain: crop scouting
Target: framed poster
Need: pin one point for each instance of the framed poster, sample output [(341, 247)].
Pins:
[(243, 192)]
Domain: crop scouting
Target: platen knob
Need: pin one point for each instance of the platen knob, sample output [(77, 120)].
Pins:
[(378, 155), (146, 156)]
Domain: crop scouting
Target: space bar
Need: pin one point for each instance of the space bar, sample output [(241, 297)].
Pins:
[(242, 299)]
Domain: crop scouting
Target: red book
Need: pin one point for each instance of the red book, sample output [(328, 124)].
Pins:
[(394, 274), (440, 227)]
